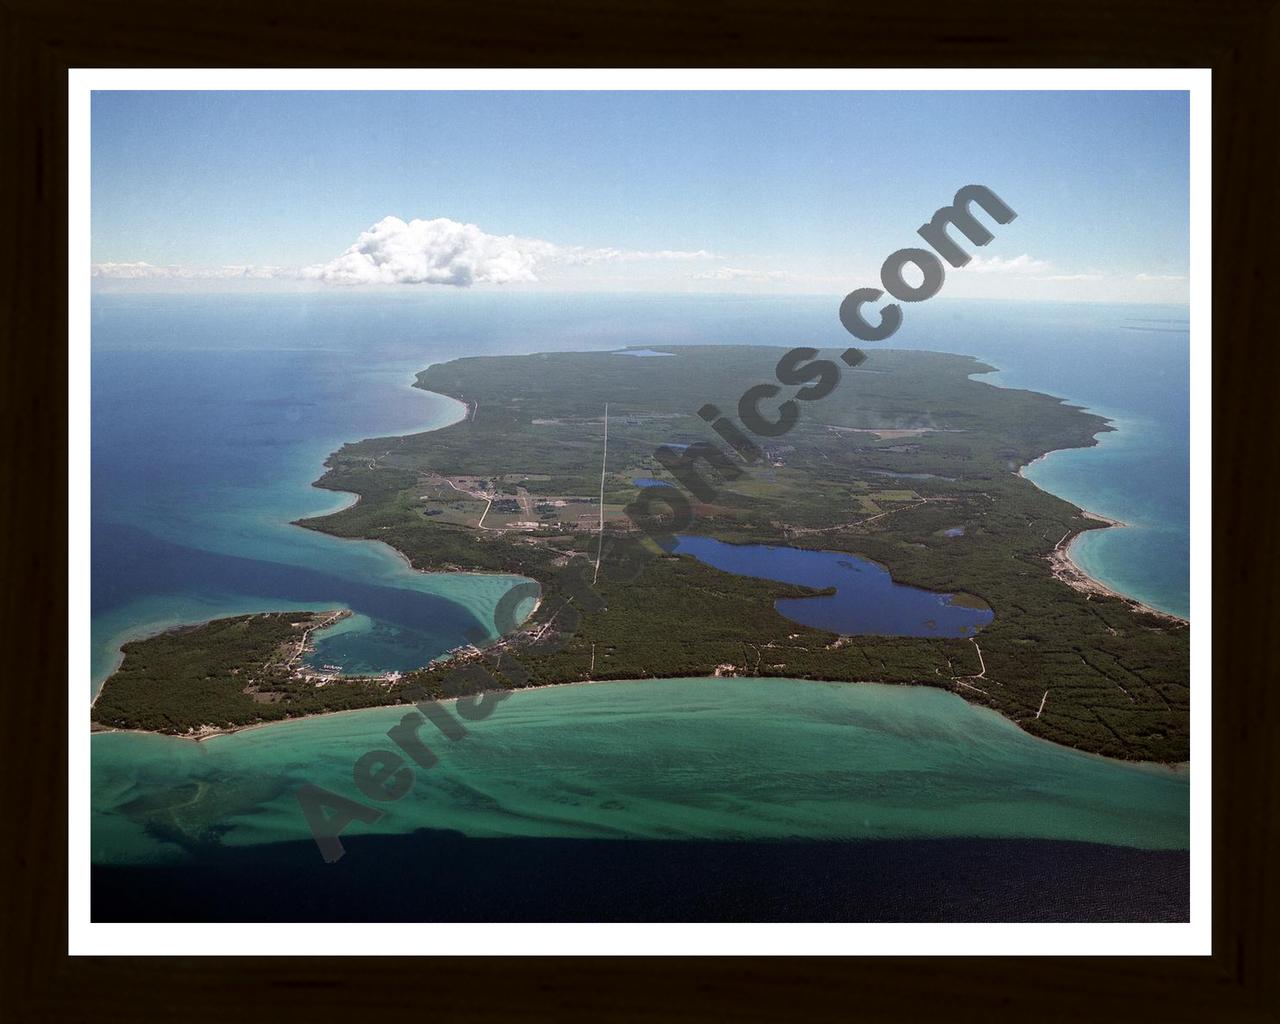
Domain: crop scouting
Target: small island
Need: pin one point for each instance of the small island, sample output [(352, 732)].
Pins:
[(907, 477)]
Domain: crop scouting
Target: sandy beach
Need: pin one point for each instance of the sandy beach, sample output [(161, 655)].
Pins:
[(1068, 571)]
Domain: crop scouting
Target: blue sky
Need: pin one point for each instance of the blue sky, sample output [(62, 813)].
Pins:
[(695, 191)]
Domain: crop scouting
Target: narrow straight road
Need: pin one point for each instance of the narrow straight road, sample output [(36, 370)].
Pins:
[(604, 461)]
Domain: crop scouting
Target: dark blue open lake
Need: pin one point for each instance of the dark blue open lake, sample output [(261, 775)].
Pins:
[(867, 601)]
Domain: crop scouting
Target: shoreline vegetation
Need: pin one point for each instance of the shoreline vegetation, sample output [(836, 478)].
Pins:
[(509, 492), (213, 732)]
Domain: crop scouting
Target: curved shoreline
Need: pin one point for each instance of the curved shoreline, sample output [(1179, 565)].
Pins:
[(1067, 570), (1064, 567), (215, 733)]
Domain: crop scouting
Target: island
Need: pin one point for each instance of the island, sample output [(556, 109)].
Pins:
[(906, 479)]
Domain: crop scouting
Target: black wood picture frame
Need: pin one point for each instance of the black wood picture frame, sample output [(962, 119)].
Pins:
[(1238, 39)]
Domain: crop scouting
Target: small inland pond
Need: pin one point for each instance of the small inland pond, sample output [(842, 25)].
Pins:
[(866, 602)]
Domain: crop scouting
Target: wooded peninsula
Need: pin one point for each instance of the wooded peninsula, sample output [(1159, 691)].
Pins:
[(911, 463)]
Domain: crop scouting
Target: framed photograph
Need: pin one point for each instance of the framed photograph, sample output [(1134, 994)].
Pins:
[(663, 514)]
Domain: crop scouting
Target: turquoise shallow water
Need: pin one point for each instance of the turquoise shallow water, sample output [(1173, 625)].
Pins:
[(677, 758), (212, 417), (1154, 534)]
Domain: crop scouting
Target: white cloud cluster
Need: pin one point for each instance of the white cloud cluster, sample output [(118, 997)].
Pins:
[(444, 251), (438, 251)]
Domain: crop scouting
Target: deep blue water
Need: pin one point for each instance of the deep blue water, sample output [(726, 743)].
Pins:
[(627, 880), (867, 601)]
